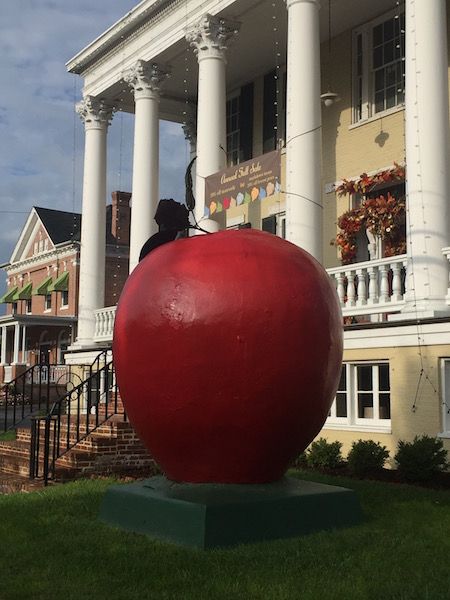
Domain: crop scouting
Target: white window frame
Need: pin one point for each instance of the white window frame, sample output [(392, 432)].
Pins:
[(352, 421), (281, 225), (445, 397), (47, 304), (28, 307), (368, 100), (64, 296)]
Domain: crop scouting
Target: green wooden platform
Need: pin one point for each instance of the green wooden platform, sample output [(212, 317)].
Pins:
[(218, 515)]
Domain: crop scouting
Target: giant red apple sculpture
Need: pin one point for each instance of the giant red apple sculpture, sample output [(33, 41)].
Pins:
[(228, 350)]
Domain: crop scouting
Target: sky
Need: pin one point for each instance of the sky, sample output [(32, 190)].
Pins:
[(41, 137)]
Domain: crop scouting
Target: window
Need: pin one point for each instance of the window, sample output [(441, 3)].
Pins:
[(48, 302), (363, 398), (233, 132), (14, 307), (378, 66), (394, 243), (275, 224), (239, 123), (445, 391), (64, 298), (28, 306)]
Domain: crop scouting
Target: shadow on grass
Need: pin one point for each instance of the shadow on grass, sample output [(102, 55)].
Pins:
[(53, 547)]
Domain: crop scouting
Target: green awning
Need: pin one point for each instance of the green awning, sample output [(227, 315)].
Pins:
[(61, 283), (42, 288), (9, 296), (24, 293)]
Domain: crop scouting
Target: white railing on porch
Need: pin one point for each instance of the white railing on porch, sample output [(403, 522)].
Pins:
[(104, 324), (371, 287)]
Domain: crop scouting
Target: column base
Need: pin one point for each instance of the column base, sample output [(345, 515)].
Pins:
[(219, 515)]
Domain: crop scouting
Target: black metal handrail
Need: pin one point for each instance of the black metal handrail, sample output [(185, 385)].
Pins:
[(73, 417), (28, 393)]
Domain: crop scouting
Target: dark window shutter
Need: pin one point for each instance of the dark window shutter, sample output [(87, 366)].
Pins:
[(269, 118), (246, 122), (269, 224)]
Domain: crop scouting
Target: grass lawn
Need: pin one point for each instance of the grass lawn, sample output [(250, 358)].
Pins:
[(54, 548), (8, 436)]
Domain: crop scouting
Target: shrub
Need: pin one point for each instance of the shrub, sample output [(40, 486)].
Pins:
[(421, 459), (366, 457), (324, 455), (300, 461)]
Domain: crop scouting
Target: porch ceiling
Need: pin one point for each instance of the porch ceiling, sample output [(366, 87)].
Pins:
[(252, 53)]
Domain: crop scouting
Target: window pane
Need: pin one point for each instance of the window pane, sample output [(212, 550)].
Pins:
[(390, 97), (377, 57), (379, 101), (365, 377), (343, 380), (341, 404), (379, 80), (388, 27), (377, 35), (365, 406), (388, 53), (391, 75), (383, 377), (385, 406)]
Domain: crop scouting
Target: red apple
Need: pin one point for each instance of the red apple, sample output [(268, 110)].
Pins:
[(228, 350)]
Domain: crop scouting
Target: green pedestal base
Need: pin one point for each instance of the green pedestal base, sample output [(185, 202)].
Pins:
[(217, 515)]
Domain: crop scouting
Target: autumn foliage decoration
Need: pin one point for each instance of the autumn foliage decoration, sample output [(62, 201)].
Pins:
[(383, 216)]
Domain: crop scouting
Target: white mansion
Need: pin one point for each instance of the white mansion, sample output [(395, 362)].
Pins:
[(341, 91)]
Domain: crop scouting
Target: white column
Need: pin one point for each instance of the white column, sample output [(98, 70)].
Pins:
[(209, 38), (303, 128), (146, 80), (96, 116), (24, 341), (3, 349), (16, 343), (427, 154)]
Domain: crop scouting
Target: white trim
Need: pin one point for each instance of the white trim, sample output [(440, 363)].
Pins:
[(430, 334), (40, 259), (233, 221), (377, 116)]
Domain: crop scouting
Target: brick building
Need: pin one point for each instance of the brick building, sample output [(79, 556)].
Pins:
[(42, 283)]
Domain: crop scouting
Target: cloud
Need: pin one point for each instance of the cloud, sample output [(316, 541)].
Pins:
[(41, 155)]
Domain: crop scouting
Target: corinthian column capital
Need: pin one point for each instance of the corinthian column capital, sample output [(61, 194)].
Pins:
[(210, 36), (146, 79), (94, 112)]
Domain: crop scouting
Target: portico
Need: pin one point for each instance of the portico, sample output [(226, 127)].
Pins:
[(209, 52)]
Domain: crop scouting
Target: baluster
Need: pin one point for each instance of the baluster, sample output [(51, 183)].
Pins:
[(373, 285), (396, 282), (109, 331), (351, 291), (384, 283), (362, 288), (340, 288)]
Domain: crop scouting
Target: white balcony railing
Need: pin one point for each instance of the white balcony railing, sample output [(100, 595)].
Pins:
[(104, 324), (371, 287)]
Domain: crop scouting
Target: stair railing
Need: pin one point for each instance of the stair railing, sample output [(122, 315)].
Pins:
[(73, 417), (29, 393)]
